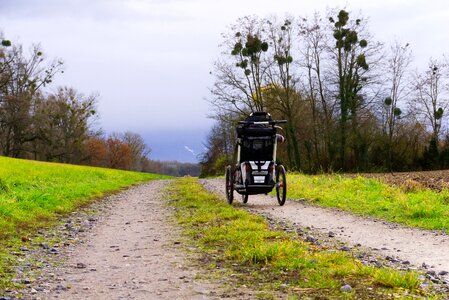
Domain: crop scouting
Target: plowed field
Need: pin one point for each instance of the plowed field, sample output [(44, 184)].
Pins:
[(435, 180)]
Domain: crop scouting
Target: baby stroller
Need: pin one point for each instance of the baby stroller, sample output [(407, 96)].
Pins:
[(256, 171)]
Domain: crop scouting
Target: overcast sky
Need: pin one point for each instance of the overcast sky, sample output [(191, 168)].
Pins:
[(149, 60)]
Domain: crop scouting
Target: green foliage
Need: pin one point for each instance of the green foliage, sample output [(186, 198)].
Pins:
[(361, 61), (438, 113), (6, 43), (237, 48), (416, 207), (281, 60), (266, 258), (363, 43), (431, 156), (343, 18), (253, 47), (388, 101)]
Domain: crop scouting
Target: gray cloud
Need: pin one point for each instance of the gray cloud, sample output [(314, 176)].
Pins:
[(149, 59)]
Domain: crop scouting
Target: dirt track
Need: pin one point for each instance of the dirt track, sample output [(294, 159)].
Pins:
[(134, 252), (410, 246)]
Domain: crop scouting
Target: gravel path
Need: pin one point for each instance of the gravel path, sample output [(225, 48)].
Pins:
[(129, 249), (133, 252), (419, 248)]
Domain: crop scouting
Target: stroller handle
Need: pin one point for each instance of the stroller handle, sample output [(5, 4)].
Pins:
[(272, 122)]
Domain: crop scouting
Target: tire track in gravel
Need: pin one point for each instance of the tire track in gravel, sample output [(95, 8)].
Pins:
[(134, 252), (419, 248)]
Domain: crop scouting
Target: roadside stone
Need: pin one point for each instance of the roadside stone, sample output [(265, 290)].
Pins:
[(391, 259), (26, 281), (424, 286), (442, 273), (311, 239), (61, 287), (346, 288), (435, 280), (80, 265), (54, 250)]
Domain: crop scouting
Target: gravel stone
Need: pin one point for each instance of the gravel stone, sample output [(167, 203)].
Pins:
[(346, 288)]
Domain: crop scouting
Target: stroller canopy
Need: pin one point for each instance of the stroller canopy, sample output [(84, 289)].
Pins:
[(256, 137)]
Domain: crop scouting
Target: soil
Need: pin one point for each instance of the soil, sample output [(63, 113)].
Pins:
[(435, 180), (129, 249), (400, 246)]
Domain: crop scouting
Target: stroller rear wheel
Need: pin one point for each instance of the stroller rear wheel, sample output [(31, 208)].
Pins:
[(281, 185), (229, 185)]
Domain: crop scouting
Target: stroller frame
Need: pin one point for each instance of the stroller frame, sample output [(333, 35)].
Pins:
[(255, 170)]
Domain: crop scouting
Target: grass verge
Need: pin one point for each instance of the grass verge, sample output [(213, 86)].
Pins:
[(421, 207), (33, 194), (273, 261)]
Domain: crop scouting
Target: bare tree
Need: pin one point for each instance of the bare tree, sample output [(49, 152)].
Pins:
[(22, 78), (431, 95), (139, 150), (239, 78), (397, 70), (315, 56), (281, 87)]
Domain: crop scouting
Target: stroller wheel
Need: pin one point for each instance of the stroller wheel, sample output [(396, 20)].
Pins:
[(281, 185), (229, 185)]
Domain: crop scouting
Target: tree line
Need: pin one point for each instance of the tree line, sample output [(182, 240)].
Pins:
[(58, 126), (353, 104)]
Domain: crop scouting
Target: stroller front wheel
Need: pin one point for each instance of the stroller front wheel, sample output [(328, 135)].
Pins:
[(281, 185), (245, 198)]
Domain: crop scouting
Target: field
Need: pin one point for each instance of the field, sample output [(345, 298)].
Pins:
[(434, 180)]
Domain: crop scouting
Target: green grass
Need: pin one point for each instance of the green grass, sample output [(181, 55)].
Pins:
[(34, 195), (422, 208), (271, 260)]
